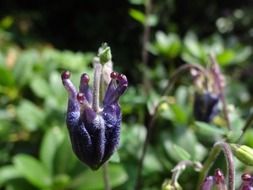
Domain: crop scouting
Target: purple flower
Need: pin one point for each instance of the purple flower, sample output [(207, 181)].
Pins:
[(94, 118), (218, 181), (247, 182), (206, 106)]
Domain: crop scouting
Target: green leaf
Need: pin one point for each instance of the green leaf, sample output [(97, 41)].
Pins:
[(167, 45), (179, 114), (7, 173), (93, 180), (176, 152), (32, 170), (208, 130), (23, 70), (40, 87), (191, 145), (243, 54), (6, 22), (152, 20), (226, 57), (61, 182), (115, 158), (151, 163), (51, 141), (192, 45), (137, 2), (137, 15), (64, 154), (6, 76), (193, 51), (29, 115)]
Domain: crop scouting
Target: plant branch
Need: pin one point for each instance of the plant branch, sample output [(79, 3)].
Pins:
[(145, 146), (96, 85), (178, 169), (218, 81), (106, 176), (146, 36), (180, 70), (211, 159), (247, 125)]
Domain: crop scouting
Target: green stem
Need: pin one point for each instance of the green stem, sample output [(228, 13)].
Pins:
[(146, 36), (221, 89), (145, 145), (96, 85), (106, 176), (211, 159), (180, 70), (180, 167), (246, 126)]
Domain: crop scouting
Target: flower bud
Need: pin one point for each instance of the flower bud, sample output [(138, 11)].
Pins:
[(205, 106), (104, 53), (243, 153), (94, 125), (167, 185)]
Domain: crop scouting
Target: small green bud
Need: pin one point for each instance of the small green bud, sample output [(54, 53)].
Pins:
[(104, 53), (243, 153), (167, 185)]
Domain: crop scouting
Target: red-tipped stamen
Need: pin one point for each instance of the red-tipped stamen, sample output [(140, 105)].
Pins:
[(85, 78), (219, 177), (246, 177), (114, 75), (80, 97), (65, 75)]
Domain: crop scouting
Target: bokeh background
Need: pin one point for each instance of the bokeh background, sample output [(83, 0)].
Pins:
[(41, 38)]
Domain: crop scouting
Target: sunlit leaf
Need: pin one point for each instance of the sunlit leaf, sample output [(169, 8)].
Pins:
[(93, 180), (32, 170), (7, 173), (176, 152), (50, 143), (29, 115), (137, 15)]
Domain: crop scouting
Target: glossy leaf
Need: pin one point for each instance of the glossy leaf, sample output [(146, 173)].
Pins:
[(32, 170), (50, 143), (91, 180), (7, 173), (29, 115)]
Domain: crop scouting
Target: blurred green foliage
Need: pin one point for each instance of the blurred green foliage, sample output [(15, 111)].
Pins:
[(35, 151)]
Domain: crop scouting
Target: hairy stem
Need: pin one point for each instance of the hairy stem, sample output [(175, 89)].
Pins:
[(221, 90), (218, 147), (145, 146), (247, 125), (178, 169), (96, 85), (106, 176), (180, 70), (146, 36)]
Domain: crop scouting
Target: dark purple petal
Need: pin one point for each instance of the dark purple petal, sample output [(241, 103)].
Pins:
[(94, 133), (208, 183), (84, 87), (247, 182), (205, 106), (112, 118), (219, 180), (116, 88)]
